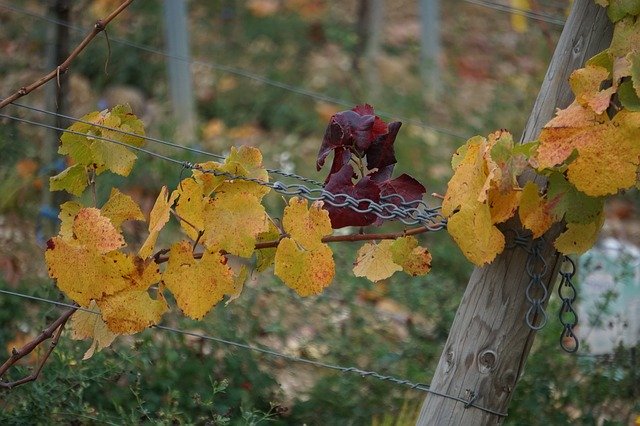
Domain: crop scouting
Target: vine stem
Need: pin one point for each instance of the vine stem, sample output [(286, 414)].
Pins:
[(54, 330), (98, 27), (161, 257)]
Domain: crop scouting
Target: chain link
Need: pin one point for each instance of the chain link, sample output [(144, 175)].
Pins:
[(568, 316), (536, 269), (392, 207)]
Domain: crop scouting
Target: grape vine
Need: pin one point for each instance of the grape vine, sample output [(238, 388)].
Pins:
[(588, 151)]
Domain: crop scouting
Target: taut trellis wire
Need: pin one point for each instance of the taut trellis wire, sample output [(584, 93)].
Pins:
[(345, 370), (408, 212), (241, 73), (390, 207)]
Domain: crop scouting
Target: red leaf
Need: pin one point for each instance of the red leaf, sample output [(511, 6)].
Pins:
[(381, 153), (355, 130), (342, 183)]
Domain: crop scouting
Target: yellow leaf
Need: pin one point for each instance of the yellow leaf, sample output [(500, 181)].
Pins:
[(233, 220), (95, 231), (245, 161), (85, 325), (197, 285), (503, 204), (208, 181), (265, 257), (536, 214), (306, 225), (121, 207), (158, 217), (238, 284), (68, 212), (308, 272), (473, 231), (579, 237), (608, 152), (131, 311), (413, 259), (83, 273), (469, 177), (190, 207), (375, 261)]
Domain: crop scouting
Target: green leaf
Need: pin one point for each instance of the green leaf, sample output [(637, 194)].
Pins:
[(632, 7), (575, 206), (74, 180), (628, 96), (603, 59), (616, 11), (634, 58)]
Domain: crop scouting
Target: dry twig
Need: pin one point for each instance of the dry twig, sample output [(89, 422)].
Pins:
[(99, 26)]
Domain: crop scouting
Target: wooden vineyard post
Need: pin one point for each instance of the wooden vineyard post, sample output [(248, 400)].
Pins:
[(489, 340)]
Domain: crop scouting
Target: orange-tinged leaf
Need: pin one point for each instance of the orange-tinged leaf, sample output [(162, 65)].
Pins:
[(375, 261), (158, 217), (197, 285), (131, 311), (585, 83), (83, 273), (308, 272), (473, 231), (120, 208), (86, 325), (306, 225), (95, 231), (536, 213), (503, 204), (608, 152), (413, 259), (579, 237), (233, 220), (190, 207)]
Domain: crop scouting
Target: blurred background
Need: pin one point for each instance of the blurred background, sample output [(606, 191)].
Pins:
[(270, 73)]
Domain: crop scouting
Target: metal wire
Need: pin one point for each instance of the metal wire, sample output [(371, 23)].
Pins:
[(160, 141), (239, 72), (568, 316), (346, 370), (516, 11), (408, 212)]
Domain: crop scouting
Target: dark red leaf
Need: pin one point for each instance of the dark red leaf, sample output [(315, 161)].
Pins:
[(404, 185), (381, 153), (355, 130), (342, 183), (341, 157)]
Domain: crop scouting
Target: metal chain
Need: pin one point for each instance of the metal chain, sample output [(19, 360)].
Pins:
[(408, 212), (536, 269), (568, 316)]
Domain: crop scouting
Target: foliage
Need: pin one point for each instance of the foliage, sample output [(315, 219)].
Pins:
[(588, 151)]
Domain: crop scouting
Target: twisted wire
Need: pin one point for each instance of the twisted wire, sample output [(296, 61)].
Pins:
[(345, 370), (159, 141), (239, 72), (408, 212)]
